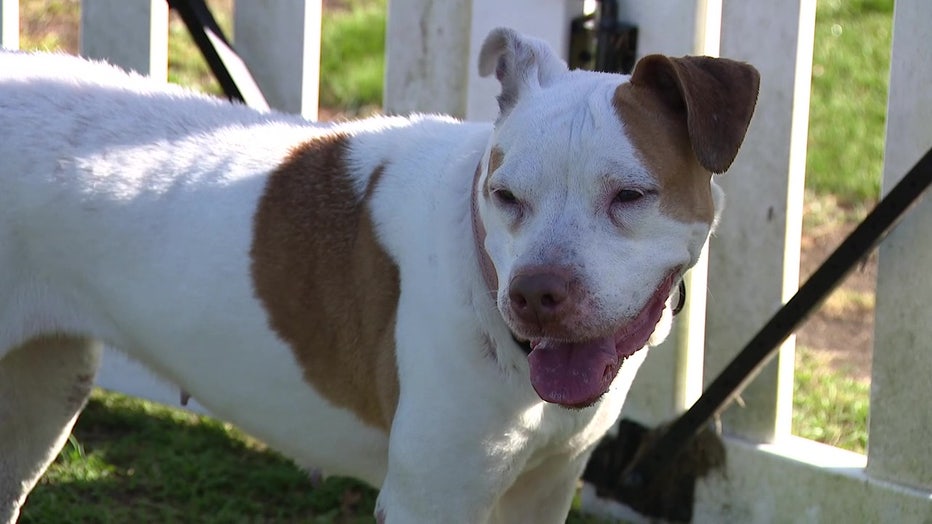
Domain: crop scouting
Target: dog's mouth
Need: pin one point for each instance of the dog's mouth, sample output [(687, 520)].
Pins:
[(577, 374)]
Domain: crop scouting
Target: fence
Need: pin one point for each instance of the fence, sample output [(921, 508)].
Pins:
[(752, 265)]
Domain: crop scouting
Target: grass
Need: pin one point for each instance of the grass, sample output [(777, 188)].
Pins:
[(130, 460), (851, 63), (829, 406), (850, 72), (185, 64), (352, 61)]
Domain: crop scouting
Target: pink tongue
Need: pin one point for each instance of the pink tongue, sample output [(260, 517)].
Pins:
[(573, 374)]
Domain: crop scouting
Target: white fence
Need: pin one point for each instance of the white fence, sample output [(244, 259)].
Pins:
[(754, 257)]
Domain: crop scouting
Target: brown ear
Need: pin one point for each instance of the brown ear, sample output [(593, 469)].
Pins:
[(717, 96)]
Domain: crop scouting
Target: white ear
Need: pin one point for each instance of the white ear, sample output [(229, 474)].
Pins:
[(519, 63)]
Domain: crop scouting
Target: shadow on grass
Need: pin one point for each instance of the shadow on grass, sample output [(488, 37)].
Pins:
[(133, 461)]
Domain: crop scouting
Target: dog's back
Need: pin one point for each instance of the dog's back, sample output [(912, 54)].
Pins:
[(126, 218), (130, 213), (87, 152)]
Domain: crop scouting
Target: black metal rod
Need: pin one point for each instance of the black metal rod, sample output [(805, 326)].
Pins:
[(607, 24), (228, 68), (745, 366)]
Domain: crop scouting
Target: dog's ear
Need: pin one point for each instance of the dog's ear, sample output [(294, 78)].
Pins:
[(519, 63), (716, 95)]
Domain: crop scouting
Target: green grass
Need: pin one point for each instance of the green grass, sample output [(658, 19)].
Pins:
[(844, 163), (829, 406), (186, 66), (851, 66), (352, 61), (135, 461)]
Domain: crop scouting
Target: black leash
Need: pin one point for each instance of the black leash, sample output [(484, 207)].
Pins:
[(659, 457), (225, 64)]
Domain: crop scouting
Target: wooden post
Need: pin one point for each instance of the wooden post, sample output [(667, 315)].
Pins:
[(427, 55), (675, 27), (432, 49), (901, 382), (279, 40), (132, 34), (9, 24), (754, 255)]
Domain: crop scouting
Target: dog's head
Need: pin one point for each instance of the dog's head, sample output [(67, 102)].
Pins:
[(594, 196)]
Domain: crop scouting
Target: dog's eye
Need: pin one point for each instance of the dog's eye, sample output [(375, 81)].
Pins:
[(628, 195), (505, 197)]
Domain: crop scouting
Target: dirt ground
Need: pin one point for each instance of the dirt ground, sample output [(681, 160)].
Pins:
[(841, 332)]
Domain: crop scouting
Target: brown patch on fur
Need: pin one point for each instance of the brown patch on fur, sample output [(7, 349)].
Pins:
[(687, 117), (330, 289), (662, 142)]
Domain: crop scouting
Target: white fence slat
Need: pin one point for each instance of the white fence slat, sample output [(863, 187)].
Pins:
[(754, 255), (9, 24), (427, 55), (279, 40), (431, 50), (901, 382), (801, 481), (132, 34), (673, 27)]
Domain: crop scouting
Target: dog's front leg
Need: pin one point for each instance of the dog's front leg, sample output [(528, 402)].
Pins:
[(543, 494), (439, 470)]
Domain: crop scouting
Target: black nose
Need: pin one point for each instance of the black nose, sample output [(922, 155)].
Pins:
[(538, 298)]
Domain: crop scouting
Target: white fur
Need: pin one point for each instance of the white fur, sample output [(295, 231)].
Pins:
[(126, 217)]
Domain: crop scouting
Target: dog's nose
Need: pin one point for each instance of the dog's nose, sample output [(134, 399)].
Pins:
[(538, 298)]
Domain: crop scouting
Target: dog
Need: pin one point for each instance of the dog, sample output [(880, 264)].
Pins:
[(450, 311)]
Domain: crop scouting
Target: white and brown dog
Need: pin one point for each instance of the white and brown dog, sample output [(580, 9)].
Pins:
[(450, 311)]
